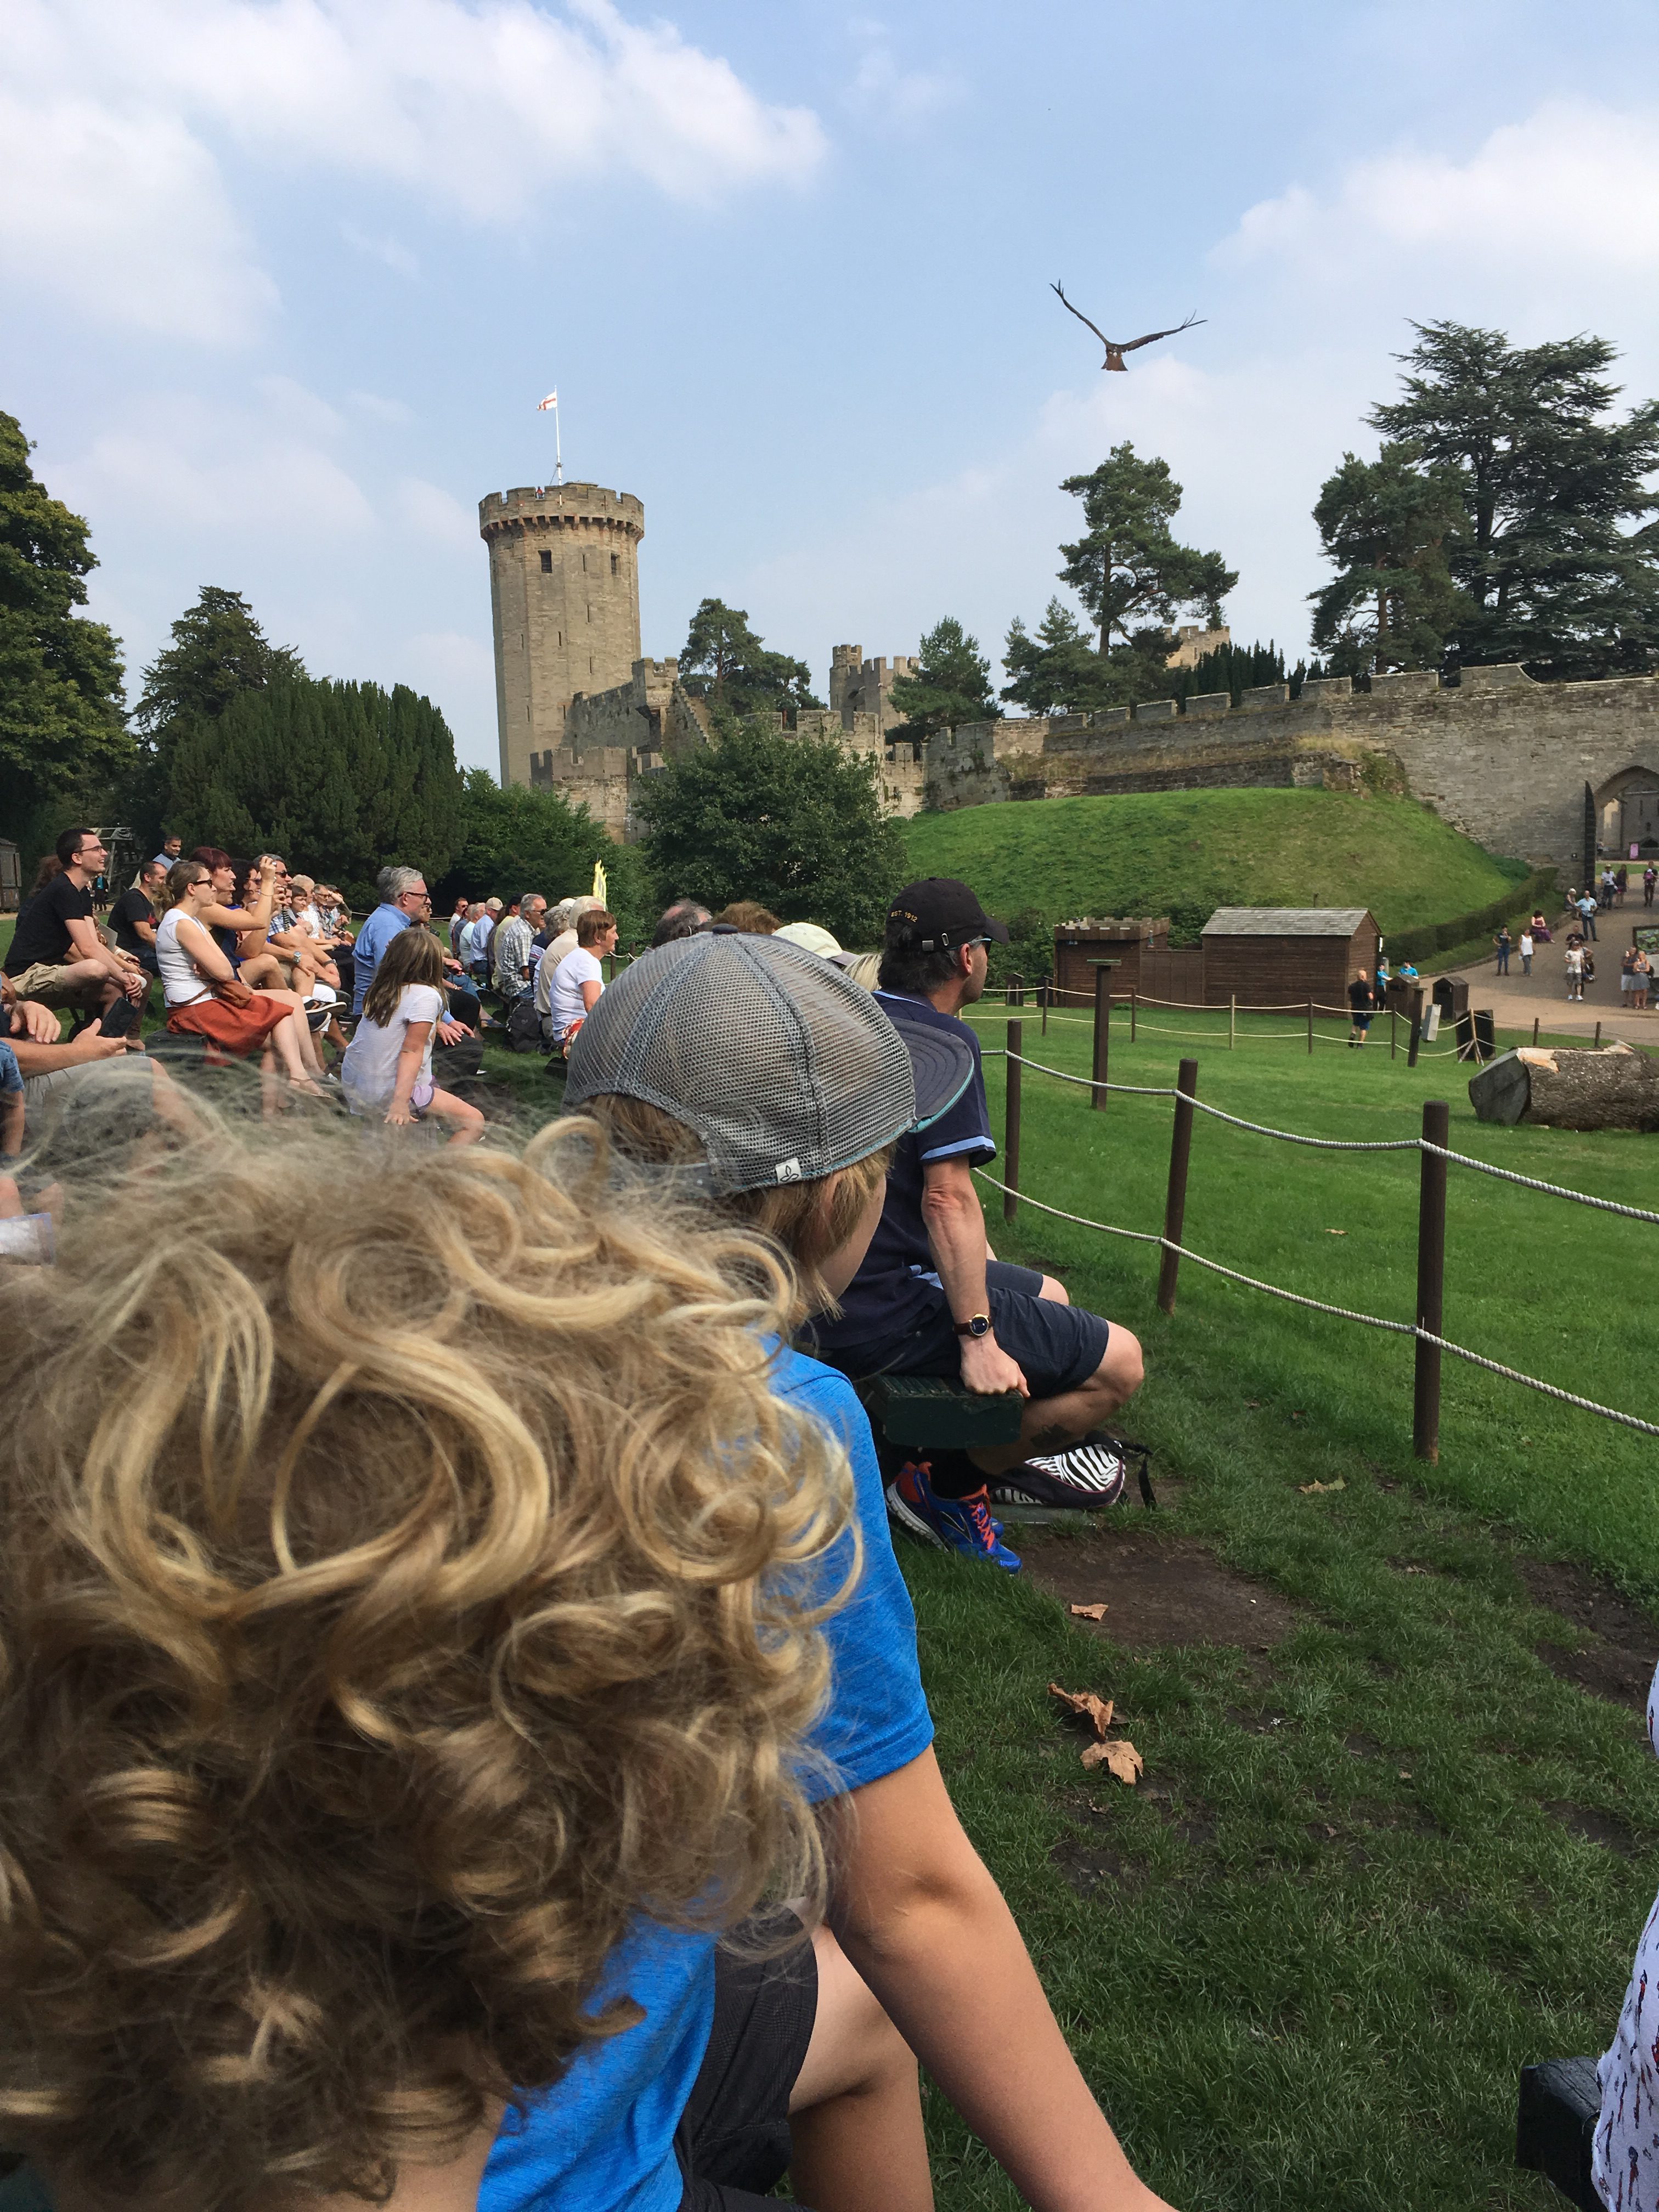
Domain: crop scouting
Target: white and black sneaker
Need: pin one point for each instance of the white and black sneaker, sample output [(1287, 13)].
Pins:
[(1085, 1477)]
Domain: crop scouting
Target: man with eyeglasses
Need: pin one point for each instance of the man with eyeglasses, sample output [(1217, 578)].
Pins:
[(57, 957), (404, 898), (933, 1298)]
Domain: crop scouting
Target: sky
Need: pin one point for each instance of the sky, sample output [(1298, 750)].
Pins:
[(282, 282)]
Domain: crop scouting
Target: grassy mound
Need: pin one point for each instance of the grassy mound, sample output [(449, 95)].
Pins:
[(1179, 851)]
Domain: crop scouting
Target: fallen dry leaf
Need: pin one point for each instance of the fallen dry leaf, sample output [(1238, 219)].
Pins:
[(1119, 1756), (1097, 1711), (1088, 1611), (1336, 1232), (1253, 1405), (1319, 1489)]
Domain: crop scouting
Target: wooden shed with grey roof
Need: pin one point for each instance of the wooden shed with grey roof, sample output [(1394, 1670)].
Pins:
[(1276, 955)]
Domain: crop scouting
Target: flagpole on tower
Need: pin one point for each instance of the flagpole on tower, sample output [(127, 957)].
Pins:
[(542, 408)]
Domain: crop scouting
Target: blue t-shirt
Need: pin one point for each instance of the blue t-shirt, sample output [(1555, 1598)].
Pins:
[(602, 2139), (896, 1287), (372, 938), (11, 1076)]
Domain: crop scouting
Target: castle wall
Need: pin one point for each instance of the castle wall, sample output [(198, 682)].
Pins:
[(565, 609), (1500, 757)]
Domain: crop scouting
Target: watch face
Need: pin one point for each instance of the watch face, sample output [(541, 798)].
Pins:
[(980, 1324)]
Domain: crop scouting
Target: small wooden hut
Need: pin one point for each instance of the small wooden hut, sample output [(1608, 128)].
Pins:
[(1276, 955)]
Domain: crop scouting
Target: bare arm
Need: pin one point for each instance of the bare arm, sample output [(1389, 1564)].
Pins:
[(590, 994), (35, 1058), (410, 1054), (922, 1920), (952, 1215), (204, 955)]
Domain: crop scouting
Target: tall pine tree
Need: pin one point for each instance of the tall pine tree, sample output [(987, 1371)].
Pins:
[(218, 653), (1560, 566)]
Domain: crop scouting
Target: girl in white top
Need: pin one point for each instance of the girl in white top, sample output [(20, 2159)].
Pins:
[(580, 979), (387, 1068)]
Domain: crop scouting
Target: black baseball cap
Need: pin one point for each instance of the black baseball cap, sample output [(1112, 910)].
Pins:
[(943, 914)]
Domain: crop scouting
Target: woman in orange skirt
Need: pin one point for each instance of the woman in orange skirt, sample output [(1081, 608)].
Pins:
[(194, 971)]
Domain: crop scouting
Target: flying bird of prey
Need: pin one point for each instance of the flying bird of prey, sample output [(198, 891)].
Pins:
[(1116, 347)]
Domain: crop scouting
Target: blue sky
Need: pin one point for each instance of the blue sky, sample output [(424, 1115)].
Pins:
[(284, 279)]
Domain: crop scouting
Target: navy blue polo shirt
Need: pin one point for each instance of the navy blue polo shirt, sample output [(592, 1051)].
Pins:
[(896, 1288)]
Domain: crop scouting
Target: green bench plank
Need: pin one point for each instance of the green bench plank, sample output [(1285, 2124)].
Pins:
[(926, 1409)]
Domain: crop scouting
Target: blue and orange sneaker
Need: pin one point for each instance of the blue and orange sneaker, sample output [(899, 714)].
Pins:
[(954, 1524)]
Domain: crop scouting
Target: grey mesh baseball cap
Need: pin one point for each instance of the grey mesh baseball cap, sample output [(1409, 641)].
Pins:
[(784, 1067)]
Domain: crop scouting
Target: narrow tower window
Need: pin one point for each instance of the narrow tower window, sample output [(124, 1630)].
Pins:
[(547, 564), (584, 564), (615, 564)]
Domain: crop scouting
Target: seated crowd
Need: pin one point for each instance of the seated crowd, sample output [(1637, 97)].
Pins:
[(476, 1607)]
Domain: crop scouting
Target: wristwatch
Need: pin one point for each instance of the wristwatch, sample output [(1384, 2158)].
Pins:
[(976, 1325)]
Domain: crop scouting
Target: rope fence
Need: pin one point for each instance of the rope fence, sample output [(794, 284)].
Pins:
[(1435, 1156)]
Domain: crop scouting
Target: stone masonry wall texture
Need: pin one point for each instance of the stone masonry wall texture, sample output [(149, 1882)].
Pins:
[(1501, 757), (564, 595)]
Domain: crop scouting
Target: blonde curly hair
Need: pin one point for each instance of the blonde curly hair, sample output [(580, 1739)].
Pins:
[(410, 1577)]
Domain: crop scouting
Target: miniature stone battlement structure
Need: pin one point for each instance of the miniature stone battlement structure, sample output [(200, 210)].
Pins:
[(1546, 772)]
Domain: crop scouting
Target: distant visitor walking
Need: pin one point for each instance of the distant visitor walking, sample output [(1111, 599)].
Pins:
[(1526, 952), (1575, 966), (1503, 942), (1361, 1000)]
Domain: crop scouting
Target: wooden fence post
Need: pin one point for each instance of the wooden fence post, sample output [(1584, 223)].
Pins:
[(1174, 1205), (1134, 995), (1535, 1029), (1431, 1279), (1011, 1121), (1014, 994), (1417, 1025), (1310, 1029), (1103, 1034), (1047, 994), (1232, 1021)]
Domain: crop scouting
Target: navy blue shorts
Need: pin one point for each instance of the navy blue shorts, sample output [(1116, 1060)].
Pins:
[(732, 2142), (1057, 1348)]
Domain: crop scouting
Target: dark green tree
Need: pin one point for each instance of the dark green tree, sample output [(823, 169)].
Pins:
[(61, 735), (218, 653), (1127, 569), (951, 685), (341, 778), (531, 837), (1389, 527), (795, 823), (1560, 565), (725, 662), (1057, 671)]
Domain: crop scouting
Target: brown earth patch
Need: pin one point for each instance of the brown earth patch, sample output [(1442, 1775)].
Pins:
[(1594, 1827), (1617, 1647), (1162, 1590)]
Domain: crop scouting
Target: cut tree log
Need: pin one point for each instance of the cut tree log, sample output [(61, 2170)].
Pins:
[(1568, 1088)]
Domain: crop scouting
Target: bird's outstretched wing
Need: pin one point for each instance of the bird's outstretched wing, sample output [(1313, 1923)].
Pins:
[(1151, 338), (1082, 318)]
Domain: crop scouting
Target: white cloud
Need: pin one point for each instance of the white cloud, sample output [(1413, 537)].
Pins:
[(390, 251), (125, 215), (435, 513), (396, 412), (221, 471), (118, 114), (883, 92), (1573, 189)]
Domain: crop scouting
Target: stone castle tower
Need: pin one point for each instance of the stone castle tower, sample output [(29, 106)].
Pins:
[(564, 595)]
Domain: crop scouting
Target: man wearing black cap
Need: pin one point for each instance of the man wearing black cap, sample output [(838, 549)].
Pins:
[(931, 1297)]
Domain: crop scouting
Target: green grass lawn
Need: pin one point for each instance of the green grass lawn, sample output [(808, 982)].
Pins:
[(1373, 1870), (1302, 1964), (1146, 851)]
